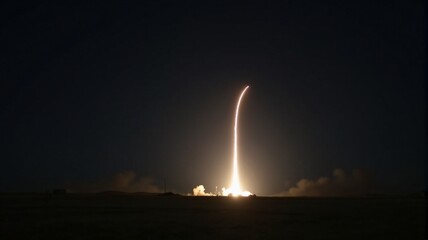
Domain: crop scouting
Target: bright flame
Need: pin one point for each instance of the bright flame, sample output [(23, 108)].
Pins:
[(235, 188)]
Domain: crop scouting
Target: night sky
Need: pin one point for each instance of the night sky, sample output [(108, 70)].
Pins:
[(90, 89)]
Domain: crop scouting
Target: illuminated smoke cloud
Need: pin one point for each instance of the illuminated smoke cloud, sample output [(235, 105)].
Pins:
[(125, 181), (200, 191), (358, 183)]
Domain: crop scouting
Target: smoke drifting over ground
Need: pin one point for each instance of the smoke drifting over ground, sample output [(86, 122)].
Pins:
[(341, 184), (126, 181), (200, 191)]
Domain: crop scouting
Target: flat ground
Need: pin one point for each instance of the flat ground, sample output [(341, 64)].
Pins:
[(95, 216)]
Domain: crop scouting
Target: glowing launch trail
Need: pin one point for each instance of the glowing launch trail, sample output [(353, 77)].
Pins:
[(235, 188)]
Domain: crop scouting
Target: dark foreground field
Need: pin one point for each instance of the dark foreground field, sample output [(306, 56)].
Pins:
[(73, 216)]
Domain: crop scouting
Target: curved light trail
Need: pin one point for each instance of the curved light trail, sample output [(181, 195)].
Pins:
[(235, 188)]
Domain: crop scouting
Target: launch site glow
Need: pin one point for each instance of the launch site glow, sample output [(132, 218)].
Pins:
[(235, 186)]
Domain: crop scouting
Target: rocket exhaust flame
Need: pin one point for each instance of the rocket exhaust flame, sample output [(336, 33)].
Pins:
[(235, 188)]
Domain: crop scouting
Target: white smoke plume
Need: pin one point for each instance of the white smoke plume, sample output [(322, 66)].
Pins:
[(126, 181), (341, 184), (200, 191)]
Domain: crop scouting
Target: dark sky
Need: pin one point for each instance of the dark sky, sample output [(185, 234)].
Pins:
[(90, 89)]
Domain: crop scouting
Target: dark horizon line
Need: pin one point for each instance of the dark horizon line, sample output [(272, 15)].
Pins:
[(421, 193)]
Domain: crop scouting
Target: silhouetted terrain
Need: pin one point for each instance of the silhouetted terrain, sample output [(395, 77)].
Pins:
[(130, 216)]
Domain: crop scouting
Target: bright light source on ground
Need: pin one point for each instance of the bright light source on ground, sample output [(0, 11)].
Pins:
[(235, 189)]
